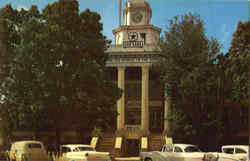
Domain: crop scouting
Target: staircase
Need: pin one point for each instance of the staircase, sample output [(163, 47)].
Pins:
[(156, 142), (106, 143)]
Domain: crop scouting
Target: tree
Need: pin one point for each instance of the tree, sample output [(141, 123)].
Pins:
[(188, 72), (239, 54), (54, 68)]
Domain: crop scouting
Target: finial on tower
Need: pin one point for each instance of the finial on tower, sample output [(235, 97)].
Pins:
[(120, 13)]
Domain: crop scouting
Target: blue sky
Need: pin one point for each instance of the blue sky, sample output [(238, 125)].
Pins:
[(220, 16)]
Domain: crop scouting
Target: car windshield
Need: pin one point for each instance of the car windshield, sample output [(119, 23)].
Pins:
[(81, 148), (192, 149)]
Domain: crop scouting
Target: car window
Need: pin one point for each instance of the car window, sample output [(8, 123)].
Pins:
[(228, 150), (238, 150), (177, 149), (34, 146), (65, 149), (168, 148), (192, 149), (86, 148)]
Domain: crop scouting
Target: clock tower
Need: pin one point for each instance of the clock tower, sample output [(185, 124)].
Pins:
[(140, 108), (137, 16)]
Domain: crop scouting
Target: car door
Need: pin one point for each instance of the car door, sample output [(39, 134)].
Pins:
[(168, 152), (35, 151), (177, 154), (240, 153), (12, 152), (63, 151)]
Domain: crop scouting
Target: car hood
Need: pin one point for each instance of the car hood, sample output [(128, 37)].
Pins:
[(88, 154)]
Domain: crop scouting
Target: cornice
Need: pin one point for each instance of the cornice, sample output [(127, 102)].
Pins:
[(139, 27)]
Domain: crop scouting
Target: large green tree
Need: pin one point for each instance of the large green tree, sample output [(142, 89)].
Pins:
[(188, 70), (53, 74), (239, 58), (239, 55)]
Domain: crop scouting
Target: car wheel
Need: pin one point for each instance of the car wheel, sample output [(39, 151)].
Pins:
[(148, 159)]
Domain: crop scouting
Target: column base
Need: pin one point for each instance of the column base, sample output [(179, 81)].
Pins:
[(120, 132), (145, 132)]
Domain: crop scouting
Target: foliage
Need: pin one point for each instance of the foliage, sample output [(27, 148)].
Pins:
[(239, 56), (190, 74), (54, 68)]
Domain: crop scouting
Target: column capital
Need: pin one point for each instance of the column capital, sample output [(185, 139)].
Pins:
[(145, 66), (121, 67)]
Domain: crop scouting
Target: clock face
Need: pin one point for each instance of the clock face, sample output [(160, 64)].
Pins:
[(137, 16)]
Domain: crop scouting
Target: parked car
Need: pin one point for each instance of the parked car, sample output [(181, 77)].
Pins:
[(28, 151), (174, 152), (230, 152), (6, 153), (81, 152)]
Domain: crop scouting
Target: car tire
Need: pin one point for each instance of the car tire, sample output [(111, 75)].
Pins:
[(148, 159)]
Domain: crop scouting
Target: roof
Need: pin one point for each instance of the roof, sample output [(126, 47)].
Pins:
[(76, 145), (27, 141), (236, 146), (184, 145)]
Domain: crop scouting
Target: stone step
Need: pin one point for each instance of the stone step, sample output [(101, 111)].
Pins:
[(106, 144), (156, 143)]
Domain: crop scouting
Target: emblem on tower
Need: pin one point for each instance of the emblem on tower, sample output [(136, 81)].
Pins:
[(133, 36), (133, 41)]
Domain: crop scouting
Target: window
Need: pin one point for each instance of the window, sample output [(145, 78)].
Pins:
[(228, 150), (177, 149), (65, 149), (168, 148), (143, 36), (192, 149), (32, 146), (244, 116), (86, 149), (132, 117), (238, 150)]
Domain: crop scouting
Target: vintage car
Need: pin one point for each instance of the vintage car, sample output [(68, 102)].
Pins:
[(27, 151), (174, 152), (81, 152), (229, 152)]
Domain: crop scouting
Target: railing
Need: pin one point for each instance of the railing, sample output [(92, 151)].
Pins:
[(133, 128), (133, 131)]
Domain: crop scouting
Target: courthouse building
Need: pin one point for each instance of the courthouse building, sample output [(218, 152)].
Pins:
[(141, 109), (141, 123)]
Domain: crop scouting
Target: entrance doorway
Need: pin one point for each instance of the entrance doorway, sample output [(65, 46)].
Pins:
[(132, 147)]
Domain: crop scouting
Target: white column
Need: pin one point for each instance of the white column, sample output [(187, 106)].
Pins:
[(144, 100), (166, 110), (121, 101)]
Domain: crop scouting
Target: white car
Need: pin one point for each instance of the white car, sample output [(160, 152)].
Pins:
[(81, 152), (174, 152), (30, 150), (230, 153)]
